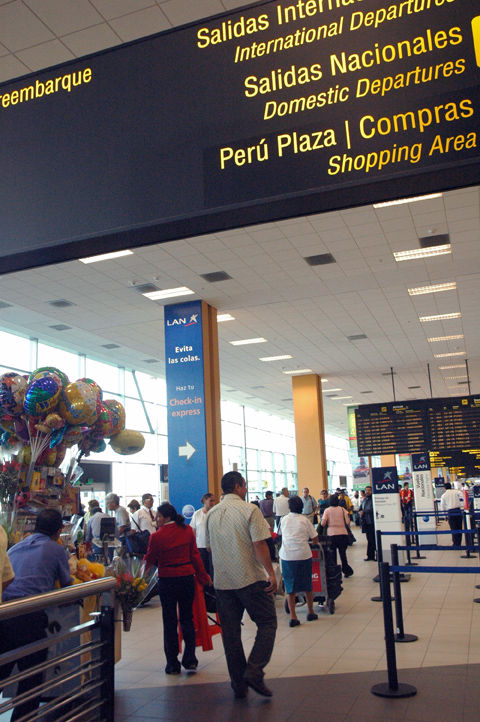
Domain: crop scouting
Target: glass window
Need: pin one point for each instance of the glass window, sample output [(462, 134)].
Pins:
[(67, 362), (106, 376), (15, 352)]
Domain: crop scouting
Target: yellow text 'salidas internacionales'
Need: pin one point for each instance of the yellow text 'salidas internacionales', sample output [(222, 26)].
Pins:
[(426, 47)]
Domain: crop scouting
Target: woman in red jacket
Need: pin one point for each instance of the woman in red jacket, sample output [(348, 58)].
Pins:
[(174, 551)]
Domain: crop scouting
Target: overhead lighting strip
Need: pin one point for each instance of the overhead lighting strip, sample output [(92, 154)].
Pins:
[(402, 201), (105, 256), (454, 337), (451, 353), (435, 288), (275, 358), (440, 317), (168, 293), (298, 371), (248, 341), (417, 253)]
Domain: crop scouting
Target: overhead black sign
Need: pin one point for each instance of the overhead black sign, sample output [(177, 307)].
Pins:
[(418, 426), (461, 462), (321, 103)]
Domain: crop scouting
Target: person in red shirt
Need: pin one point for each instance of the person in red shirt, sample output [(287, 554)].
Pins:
[(406, 500), (174, 551)]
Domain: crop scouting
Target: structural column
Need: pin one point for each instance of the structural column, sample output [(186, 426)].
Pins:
[(310, 433)]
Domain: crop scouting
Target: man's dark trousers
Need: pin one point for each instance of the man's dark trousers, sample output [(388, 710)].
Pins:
[(231, 604), (371, 546), (455, 520)]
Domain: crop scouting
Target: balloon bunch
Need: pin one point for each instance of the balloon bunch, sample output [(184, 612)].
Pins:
[(44, 414)]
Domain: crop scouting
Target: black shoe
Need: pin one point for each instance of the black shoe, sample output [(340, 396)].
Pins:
[(260, 687), (312, 617), (173, 668), (294, 622), (190, 666), (370, 559), (240, 691), (348, 574)]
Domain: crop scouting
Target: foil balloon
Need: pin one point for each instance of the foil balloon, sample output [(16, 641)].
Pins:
[(127, 442), (51, 372), (73, 435), (21, 429), (7, 423), (12, 392), (57, 436), (61, 450), (41, 395), (78, 404), (54, 421), (93, 384), (47, 457), (104, 425), (117, 412)]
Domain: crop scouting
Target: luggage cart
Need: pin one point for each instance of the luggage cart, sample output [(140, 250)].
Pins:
[(326, 578)]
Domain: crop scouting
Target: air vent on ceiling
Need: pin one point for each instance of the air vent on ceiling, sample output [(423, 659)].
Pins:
[(321, 260), (215, 276), (151, 361), (366, 392), (110, 346), (442, 239), (290, 399), (462, 383), (331, 396), (4, 304), (61, 303), (414, 387), (258, 387), (145, 288), (357, 337), (60, 327), (389, 373)]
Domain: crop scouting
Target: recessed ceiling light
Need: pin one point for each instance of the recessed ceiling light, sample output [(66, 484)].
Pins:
[(169, 293), (298, 371), (105, 256), (454, 378), (275, 358), (434, 288), (327, 391), (401, 201), (340, 398), (324, 381), (452, 353), (455, 366), (454, 337), (422, 252), (247, 341), (222, 317), (440, 317)]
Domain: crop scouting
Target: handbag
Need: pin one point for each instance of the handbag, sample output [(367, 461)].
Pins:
[(137, 541), (350, 535)]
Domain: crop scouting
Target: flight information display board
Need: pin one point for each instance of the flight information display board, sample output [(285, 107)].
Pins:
[(415, 426), (463, 462), (280, 109)]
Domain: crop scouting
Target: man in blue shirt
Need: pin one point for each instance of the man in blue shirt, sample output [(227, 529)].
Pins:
[(38, 562)]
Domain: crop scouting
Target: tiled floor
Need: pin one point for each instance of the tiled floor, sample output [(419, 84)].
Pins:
[(325, 669)]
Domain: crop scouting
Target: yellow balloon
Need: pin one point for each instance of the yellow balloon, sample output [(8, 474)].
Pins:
[(127, 442), (78, 404)]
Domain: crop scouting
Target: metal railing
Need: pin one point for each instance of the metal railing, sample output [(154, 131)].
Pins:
[(75, 683)]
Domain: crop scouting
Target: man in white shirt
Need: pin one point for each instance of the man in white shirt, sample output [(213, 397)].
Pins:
[(450, 502), (122, 516), (280, 507), (198, 526), (144, 518)]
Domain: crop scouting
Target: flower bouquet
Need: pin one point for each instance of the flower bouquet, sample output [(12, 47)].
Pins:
[(130, 587)]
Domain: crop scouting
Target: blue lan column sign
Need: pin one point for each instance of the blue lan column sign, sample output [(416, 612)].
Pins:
[(187, 440)]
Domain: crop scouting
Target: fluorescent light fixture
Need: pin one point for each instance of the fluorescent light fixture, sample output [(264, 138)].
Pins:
[(422, 252), (247, 341), (105, 256), (221, 317), (275, 358), (324, 381), (299, 371), (454, 337), (401, 201), (452, 353), (435, 288), (455, 366), (340, 398), (440, 317), (454, 378), (168, 293), (327, 391)]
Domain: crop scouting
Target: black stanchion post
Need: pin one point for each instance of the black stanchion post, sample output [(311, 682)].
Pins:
[(400, 635), (379, 598), (392, 688), (407, 542), (468, 533), (419, 556)]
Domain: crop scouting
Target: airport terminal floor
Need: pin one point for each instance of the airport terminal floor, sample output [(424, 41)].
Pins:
[(324, 670)]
